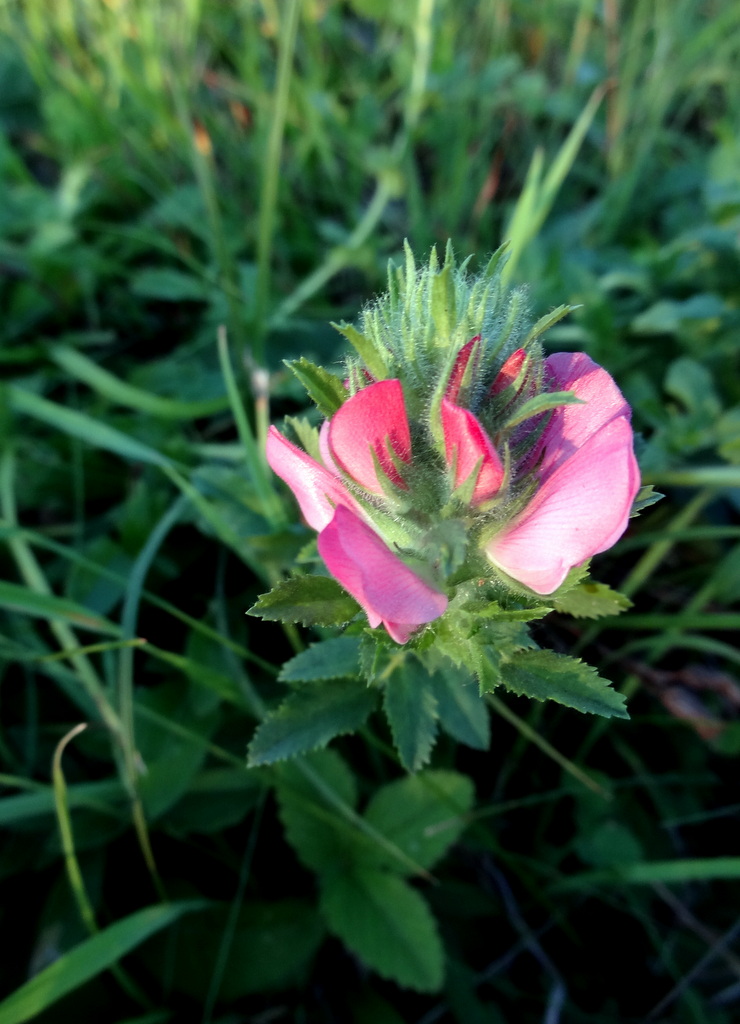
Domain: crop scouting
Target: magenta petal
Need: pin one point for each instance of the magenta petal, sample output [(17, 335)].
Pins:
[(372, 421), (385, 587), (570, 426), (318, 491), (458, 370), (466, 444), (581, 508)]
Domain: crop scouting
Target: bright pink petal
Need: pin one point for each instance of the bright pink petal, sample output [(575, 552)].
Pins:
[(570, 426), (458, 370), (385, 587), (509, 371), (372, 421), (581, 508), (466, 444), (318, 491)]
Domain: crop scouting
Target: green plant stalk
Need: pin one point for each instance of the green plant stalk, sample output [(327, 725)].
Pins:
[(423, 39), (271, 178), (129, 617), (35, 580), (71, 863), (340, 256), (534, 737), (202, 161), (31, 537), (254, 453), (655, 554), (227, 938), (539, 194)]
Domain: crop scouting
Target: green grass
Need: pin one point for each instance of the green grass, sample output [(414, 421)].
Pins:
[(191, 192)]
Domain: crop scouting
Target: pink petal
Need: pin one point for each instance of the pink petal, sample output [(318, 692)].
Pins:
[(509, 371), (571, 426), (581, 508), (318, 491), (385, 587), (372, 421), (458, 370), (466, 443)]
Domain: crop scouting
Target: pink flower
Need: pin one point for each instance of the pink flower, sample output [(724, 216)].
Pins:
[(587, 479), (367, 435)]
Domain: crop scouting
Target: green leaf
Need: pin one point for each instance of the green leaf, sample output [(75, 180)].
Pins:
[(387, 924), (168, 285), (17, 598), (309, 718), (89, 959), (337, 658), (123, 393), (323, 387), (592, 601), (366, 349), (411, 708), (310, 600), (321, 839), (646, 497), (250, 962), (77, 424), (422, 814), (462, 712), (545, 675)]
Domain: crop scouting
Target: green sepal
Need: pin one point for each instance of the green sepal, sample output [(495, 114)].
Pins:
[(591, 600), (546, 322), (306, 434), (310, 600), (442, 301), (337, 658), (539, 404), (324, 388), (545, 675), (309, 718), (367, 349), (387, 924)]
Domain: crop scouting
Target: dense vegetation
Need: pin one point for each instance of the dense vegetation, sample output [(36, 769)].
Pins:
[(191, 192)]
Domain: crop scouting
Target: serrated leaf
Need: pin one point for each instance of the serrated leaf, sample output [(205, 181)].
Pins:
[(309, 718), (592, 601), (411, 709), (324, 388), (545, 675), (646, 497), (365, 348), (310, 600), (462, 712), (387, 924), (337, 658), (322, 839), (422, 814)]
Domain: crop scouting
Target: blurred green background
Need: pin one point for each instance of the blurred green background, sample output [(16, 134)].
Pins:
[(191, 191)]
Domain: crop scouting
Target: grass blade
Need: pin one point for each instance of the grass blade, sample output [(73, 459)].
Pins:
[(89, 959)]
